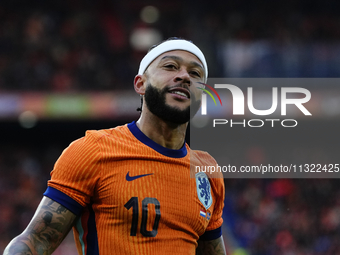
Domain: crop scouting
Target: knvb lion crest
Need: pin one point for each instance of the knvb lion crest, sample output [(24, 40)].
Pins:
[(203, 189)]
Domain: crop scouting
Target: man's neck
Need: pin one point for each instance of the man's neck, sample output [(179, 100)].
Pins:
[(168, 135)]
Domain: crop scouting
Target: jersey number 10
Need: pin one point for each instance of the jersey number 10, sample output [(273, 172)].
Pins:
[(133, 202)]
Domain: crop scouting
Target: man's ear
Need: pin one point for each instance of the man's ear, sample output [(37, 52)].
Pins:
[(139, 84)]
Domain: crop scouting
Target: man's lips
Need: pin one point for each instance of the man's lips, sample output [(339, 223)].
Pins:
[(180, 91)]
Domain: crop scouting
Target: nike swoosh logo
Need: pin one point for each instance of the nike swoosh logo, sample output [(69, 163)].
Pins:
[(132, 178)]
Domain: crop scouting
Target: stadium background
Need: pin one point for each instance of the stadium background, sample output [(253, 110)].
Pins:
[(68, 66)]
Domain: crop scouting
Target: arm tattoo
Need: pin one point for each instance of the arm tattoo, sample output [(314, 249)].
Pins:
[(48, 228), (212, 247), (20, 248)]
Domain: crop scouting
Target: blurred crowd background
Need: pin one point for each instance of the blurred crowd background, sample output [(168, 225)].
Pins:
[(97, 45), (74, 47)]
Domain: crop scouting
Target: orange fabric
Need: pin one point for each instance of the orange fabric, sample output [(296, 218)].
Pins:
[(92, 171)]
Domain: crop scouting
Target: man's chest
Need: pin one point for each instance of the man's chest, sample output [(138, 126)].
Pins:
[(148, 197)]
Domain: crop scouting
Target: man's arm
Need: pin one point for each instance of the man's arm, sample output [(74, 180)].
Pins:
[(49, 226), (211, 247)]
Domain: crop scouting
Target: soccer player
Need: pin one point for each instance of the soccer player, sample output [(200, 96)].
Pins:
[(128, 190)]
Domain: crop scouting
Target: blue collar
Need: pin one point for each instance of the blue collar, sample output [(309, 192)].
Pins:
[(182, 152)]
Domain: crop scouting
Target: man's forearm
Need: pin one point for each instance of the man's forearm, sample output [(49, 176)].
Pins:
[(213, 247), (31, 242), (46, 231), (21, 245)]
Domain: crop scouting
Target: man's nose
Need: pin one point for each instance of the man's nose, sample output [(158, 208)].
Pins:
[(183, 76)]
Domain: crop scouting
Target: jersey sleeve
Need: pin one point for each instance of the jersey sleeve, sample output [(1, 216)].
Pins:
[(217, 186), (214, 228), (76, 173)]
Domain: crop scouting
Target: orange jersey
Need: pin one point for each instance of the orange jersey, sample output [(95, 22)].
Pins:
[(134, 196)]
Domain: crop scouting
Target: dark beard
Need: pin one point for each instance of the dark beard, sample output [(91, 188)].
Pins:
[(155, 101)]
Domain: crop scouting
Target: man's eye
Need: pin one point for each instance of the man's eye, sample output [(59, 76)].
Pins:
[(170, 66), (195, 73)]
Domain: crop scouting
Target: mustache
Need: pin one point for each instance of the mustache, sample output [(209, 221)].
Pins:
[(180, 85)]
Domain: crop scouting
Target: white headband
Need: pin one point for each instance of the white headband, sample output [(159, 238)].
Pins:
[(172, 45)]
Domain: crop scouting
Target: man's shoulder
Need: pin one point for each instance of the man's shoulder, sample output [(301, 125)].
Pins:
[(204, 161), (102, 137), (115, 132), (201, 156)]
